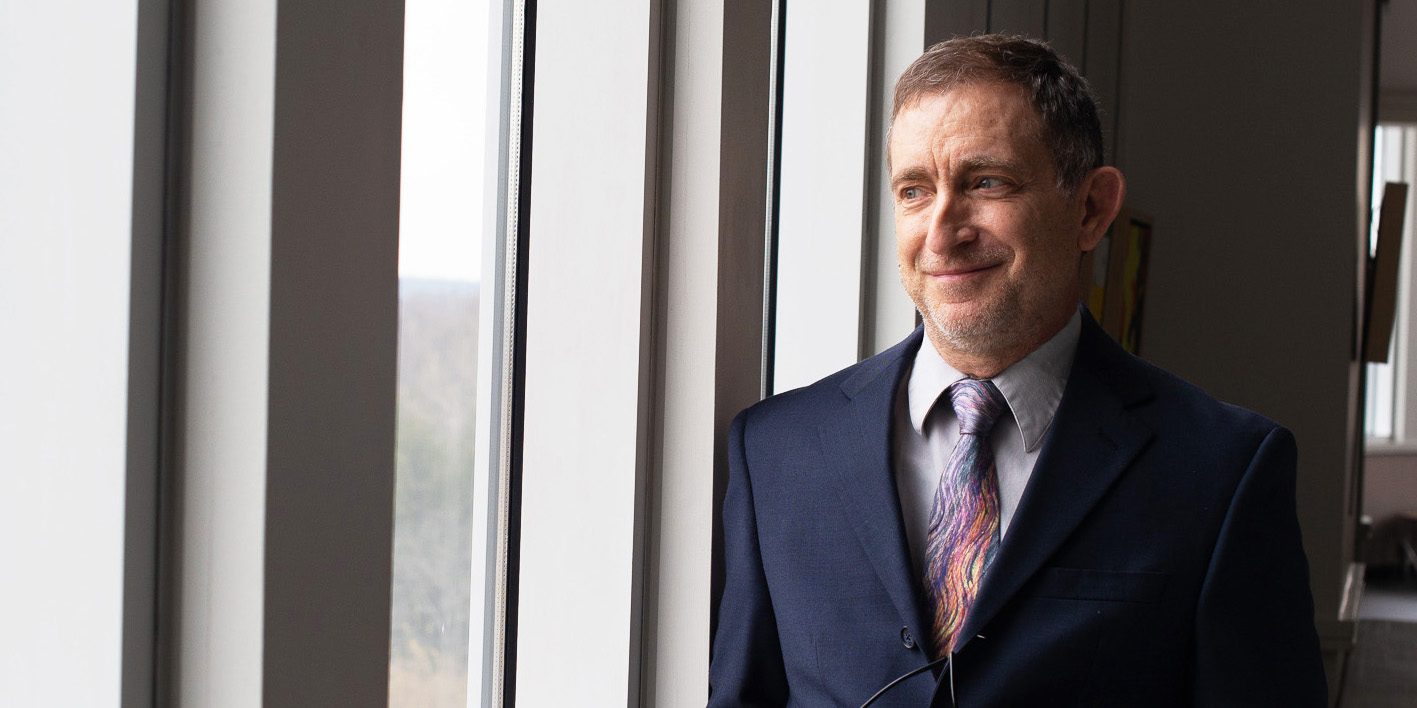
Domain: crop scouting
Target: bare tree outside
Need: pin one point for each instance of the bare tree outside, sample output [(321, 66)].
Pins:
[(440, 245), (433, 516)]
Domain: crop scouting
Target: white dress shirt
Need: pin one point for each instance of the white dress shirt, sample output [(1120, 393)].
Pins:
[(925, 428)]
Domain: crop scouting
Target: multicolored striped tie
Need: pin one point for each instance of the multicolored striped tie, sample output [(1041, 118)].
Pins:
[(964, 518)]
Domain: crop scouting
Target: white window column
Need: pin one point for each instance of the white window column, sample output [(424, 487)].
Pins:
[(589, 269), (286, 356), (644, 337), (68, 207), (709, 321)]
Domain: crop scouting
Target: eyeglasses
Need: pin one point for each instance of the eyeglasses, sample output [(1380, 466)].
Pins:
[(949, 669)]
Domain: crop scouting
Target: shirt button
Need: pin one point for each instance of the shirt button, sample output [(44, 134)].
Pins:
[(906, 639)]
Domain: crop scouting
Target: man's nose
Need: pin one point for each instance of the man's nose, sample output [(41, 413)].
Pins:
[(951, 223)]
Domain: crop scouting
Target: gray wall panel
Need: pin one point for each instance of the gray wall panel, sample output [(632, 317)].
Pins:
[(1025, 17), (955, 17), (1067, 28), (1103, 52)]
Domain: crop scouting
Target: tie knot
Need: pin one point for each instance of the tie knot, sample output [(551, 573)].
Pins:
[(977, 405)]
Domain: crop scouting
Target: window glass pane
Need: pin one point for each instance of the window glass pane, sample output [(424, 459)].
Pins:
[(440, 247), (1379, 416), (1385, 395), (821, 203)]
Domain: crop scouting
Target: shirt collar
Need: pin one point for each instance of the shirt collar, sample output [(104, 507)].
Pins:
[(1032, 387)]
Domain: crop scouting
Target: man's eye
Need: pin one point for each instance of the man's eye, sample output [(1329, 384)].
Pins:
[(910, 193), (988, 183)]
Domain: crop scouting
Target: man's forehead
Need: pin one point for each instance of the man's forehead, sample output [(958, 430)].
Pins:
[(980, 86), (974, 100), (983, 110)]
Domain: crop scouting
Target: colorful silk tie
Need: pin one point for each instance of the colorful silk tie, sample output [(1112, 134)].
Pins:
[(964, 518)]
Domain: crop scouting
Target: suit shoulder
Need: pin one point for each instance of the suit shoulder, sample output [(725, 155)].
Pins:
[(804, 402), (1183, 403), (1170, 404), (817, 400)]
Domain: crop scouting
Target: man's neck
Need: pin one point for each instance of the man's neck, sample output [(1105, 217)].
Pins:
[(990, 363)]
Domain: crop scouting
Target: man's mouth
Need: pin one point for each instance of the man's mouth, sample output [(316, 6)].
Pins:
[(962, 273)]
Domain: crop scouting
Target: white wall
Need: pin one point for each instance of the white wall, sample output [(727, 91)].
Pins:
[(66, 134)]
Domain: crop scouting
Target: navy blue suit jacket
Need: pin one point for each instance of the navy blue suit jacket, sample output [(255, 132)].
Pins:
[(1154, 558)]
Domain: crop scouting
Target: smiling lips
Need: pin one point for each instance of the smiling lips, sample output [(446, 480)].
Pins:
[(962, 273)]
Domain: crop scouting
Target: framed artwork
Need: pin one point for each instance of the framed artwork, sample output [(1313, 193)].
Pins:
[(1383, 272), (1114, 278)]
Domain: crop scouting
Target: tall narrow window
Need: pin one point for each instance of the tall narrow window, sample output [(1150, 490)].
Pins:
[(461, 97)]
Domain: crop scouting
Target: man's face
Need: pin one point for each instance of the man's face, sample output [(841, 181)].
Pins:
[(988, 243)]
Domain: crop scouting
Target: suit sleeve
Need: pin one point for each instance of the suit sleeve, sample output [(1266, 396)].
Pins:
[(1255, 643), (746, 668)]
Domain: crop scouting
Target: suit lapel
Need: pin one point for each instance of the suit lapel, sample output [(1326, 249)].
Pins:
[(1092, 440), (857, 447)]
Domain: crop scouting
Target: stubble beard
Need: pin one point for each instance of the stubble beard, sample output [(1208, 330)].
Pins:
[(993, 328)]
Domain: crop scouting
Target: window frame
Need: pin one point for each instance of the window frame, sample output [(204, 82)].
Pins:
[(1403, 354)]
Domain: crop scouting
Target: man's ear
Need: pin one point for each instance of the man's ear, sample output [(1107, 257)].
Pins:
[(1101, 192)]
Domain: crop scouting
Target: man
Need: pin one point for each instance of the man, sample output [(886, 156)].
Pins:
[(1007, 489)]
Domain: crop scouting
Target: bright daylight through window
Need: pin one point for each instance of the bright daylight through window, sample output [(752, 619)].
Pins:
[(440, 246)]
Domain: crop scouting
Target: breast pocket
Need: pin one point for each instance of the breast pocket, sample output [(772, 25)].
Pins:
[(1091, 626), (1099, 585)]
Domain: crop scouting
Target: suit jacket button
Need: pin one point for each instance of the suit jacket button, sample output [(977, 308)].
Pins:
[(906, 639)]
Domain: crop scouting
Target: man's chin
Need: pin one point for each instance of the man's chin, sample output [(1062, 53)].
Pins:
[(970, 330)]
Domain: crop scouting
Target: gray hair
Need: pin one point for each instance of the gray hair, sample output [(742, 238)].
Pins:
[(1055, 89)]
